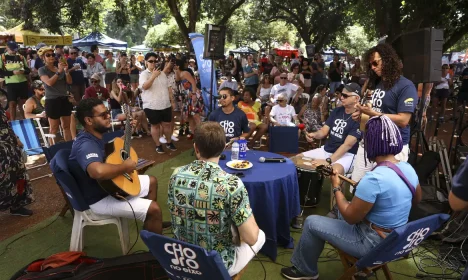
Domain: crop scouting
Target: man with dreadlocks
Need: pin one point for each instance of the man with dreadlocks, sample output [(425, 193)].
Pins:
[(379, 205), (394, 96)]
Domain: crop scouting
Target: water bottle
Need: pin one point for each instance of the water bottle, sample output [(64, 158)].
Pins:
[(235, 151)]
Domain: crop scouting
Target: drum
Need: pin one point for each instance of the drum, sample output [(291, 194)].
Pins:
[(310, 181)]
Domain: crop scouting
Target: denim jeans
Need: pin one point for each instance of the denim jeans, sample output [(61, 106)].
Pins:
[(334, 86), (355, 240)]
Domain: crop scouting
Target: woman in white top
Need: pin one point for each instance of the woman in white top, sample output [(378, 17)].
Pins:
[(282, 114), (295, 77), (442, 93), (264, 89)]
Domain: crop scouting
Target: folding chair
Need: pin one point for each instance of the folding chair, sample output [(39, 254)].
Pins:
[(26, 131), (399, 243), (63, 168), (183, 260)]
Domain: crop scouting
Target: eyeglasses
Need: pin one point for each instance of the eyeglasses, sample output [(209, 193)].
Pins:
[(104, 115), (225, 96), (151, 61), (94, 81), (375, 63), (283, 78), (280, 100), (49, 54)]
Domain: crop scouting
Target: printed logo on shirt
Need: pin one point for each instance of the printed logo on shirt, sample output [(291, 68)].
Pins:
[(377, 99), (91, 155), (339, 127), (228, 128), (409, 102)]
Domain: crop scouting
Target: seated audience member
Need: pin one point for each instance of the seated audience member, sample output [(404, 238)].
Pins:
[(221, 207), (88, 152), (342, 145), (232, 119), (336, 101), (310, 115), (282, 113), (379, 205), (96, 90), (458, 197), (321, 92), (291, 90), (33, 107), (230, 83), (252, 109)]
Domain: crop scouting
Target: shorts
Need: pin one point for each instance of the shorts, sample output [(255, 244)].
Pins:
[(17, 91), (307, 82), (116, 112), (110, 77), (134, 78), (58, 107), (442, 93), (346, 160), (125, 78), (159, 116), (111, 206)]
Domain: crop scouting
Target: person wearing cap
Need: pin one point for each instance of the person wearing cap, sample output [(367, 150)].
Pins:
[(291, 90), (34, 107), (96, 90), (15, 68), (343, 132), (76, 67), (192, 65)]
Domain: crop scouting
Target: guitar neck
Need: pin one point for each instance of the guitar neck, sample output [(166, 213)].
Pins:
[(128, 130)]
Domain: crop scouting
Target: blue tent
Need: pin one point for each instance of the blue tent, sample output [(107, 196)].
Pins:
[(97, 38)]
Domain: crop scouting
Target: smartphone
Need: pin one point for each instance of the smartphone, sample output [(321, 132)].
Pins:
[(239, 174)]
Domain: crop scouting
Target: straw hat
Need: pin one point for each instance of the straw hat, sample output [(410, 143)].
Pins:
[(45, 49)]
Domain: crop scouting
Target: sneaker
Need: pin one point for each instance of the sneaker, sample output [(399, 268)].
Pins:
[(171, 147), (21, 212), (173, 138), (162, 140), (166, 225), (294, 274), (136, 135), (159, 149)]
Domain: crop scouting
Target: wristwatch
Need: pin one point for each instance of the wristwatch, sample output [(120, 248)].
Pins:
[(336, 189), (57, 73)]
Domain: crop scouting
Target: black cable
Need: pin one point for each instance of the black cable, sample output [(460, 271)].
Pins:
[(24, 235), (136, 224), (264, 270)]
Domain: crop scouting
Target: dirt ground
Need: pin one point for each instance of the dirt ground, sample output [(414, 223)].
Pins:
[(49, 199)]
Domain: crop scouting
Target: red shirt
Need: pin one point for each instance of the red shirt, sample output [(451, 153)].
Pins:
[(91, 92)]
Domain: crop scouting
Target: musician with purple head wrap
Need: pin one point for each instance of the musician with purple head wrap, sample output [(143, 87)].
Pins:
[(382, 202)]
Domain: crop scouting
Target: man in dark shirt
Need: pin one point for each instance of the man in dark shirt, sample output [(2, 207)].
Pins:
[(88, 154), (76, 66), (232, 119), (343, 132), (463, 94), (458, 197)]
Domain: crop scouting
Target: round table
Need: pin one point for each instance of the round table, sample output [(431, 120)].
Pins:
[(274, 197)]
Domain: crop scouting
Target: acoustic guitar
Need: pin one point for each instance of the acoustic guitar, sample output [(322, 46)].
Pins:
[(117, 151), (327, 170)]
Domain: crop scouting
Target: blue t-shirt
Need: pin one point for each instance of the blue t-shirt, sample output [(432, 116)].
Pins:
[(252, 80), (401, 98), (77, 75), (85, 150), (389, 194), (39, 63), (460, 182), (341, 125), (234, 124)]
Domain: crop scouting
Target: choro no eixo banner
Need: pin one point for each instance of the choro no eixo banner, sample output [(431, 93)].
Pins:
[(204, 70)]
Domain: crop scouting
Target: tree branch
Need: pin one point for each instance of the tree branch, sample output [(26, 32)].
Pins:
[(456, 36), (229, 13), (178, 17)]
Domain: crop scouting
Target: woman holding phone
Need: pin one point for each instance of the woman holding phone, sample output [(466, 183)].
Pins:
[(59, 103)]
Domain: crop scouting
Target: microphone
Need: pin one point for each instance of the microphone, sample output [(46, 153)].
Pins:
[(301, 126), (262, 159)]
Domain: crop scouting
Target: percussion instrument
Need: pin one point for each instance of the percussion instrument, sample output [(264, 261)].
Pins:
[(310, 181)]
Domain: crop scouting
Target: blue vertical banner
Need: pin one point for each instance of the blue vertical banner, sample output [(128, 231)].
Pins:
[(205, 70)]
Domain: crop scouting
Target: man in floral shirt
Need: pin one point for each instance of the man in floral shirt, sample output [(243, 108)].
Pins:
[(209, 206)]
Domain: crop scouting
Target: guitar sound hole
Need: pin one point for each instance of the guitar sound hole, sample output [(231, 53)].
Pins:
[(123, 155)]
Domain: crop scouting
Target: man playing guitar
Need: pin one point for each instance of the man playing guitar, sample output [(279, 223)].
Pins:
[(88, 153), (344, 133), (394, 96)]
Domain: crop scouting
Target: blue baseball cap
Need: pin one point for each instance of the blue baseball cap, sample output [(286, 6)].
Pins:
[(12, 45)]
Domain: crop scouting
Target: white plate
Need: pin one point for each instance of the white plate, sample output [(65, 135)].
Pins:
[(231, 164)]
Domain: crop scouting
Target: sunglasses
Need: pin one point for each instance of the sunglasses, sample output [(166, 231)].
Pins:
[(344, 95), (225, 96), (283, 78), (73, 53), (104, 115), (41, 89), (94, 81), (151, 61), (280, 100), (49, 54), (375, 62)]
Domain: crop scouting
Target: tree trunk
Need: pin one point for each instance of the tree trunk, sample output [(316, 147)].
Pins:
[(455, 37), (230, 11)]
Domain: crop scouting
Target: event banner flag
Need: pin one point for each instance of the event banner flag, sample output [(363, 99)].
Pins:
[(204, 70)]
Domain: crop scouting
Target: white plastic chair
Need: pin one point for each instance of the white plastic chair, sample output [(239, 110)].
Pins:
[(88, 218)]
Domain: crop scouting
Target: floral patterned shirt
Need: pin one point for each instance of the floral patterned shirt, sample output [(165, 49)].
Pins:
[(205, 202)]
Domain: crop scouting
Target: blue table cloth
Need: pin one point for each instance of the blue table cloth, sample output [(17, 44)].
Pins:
[(274, 197)]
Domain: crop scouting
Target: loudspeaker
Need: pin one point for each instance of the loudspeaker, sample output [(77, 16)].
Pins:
[(215, 36), (421, 54), (310, 50)]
